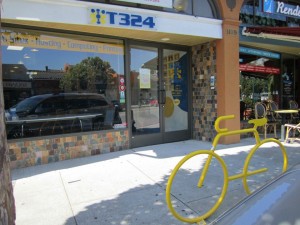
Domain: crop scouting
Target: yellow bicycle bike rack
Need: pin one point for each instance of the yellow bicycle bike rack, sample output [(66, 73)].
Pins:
[(220, 133)]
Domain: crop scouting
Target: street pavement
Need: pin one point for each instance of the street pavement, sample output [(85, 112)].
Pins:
[(128, 187)]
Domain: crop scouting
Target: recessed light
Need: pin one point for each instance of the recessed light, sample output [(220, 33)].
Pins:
[(165, 39), (15, 48), (26, 56)]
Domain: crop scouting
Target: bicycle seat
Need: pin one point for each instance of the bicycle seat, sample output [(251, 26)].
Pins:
[(258, 122)]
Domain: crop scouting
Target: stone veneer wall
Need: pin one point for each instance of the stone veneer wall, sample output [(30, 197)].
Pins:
[(7, 201), (27, 152), (204, 96)]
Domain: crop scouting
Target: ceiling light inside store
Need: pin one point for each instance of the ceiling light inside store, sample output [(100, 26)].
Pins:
[(26, 56), (15, 48)]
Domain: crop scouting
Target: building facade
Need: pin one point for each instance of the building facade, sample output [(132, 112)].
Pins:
[(82, 78), (269, 51)]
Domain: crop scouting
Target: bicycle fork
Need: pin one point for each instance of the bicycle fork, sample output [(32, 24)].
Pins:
[(204, 172)]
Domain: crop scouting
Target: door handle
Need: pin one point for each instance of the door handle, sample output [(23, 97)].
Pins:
[(162, 97)]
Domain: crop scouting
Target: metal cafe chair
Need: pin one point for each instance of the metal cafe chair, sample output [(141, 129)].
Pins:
[(271, 108), (261, 112), (291, 129), (294, 116)]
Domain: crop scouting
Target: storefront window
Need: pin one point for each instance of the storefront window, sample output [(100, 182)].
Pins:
[(259, 79), (288, 80), (55, 84), (203, 8)]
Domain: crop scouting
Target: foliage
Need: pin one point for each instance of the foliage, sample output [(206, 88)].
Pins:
[(252, 87), (86, 74)]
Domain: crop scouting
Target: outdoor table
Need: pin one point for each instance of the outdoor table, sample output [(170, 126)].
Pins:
[(284, 113)]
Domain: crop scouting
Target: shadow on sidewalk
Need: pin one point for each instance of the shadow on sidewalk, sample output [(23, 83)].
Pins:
[(110, 200), (146, 204)]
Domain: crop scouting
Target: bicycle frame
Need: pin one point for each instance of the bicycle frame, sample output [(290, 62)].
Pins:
[(225, 132), (211, 153)]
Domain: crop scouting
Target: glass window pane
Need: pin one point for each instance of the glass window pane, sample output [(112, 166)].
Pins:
[(259, 80), (144, 90), (175, 76), (54, 81), (202, 8)]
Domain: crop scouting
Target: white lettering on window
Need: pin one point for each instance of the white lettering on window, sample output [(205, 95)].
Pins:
[(288, 10)]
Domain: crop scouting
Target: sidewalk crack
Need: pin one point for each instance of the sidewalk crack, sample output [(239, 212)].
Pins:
[(69, 202)]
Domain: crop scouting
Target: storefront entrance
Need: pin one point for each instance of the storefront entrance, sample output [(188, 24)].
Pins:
[(159, 94)]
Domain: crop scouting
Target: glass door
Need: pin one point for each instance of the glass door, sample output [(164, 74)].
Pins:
[(175, 82), (144, 84), (159, 95)]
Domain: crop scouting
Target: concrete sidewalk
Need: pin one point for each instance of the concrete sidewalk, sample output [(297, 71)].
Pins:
[(126, 187)]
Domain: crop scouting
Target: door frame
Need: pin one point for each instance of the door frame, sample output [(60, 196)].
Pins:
[(162, 136)]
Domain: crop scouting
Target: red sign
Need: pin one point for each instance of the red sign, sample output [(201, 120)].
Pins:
[(259, 69), (122, 88)]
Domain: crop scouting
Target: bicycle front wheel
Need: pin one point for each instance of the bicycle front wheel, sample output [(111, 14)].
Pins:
[(188, 199), (264, 162)]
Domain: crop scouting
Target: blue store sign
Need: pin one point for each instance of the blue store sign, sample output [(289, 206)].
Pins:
[(120, 19), (257, 52), (282, 8)]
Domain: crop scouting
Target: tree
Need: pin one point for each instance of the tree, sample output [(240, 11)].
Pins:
[(87, 74), (251, 87)]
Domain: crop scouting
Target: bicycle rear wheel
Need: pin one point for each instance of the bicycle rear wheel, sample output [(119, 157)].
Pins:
[(265, 161), (186, 200)]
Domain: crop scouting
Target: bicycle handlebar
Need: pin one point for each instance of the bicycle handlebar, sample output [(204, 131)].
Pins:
[(225, 132), (219, 119), (255, 122)]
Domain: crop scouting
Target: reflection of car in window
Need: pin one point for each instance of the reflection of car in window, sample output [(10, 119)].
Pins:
[(61, 113)]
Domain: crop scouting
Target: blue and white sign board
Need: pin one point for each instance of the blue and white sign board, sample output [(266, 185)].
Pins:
[(112, 16), (117, 18), (282, 8), (161, 3), (262, 53)]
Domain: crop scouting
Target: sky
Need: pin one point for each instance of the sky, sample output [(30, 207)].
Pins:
[(56, 59)]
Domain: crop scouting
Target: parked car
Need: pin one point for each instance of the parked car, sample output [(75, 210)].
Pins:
[(60, 113), (153, 102), (275, 203)]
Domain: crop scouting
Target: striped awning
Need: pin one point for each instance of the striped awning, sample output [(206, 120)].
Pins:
[(278, 33)]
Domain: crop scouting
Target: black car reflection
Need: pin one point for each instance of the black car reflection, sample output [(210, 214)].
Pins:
[(51, 114)]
